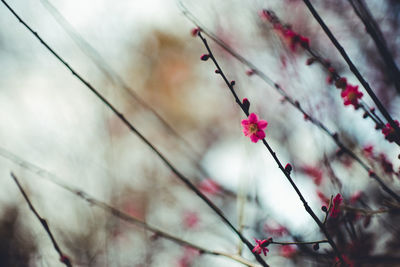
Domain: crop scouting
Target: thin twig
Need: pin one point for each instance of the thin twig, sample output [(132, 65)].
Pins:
[(273, 154), (63, 258), (178, 174), (370, 212), (354, 69), (299, 243)]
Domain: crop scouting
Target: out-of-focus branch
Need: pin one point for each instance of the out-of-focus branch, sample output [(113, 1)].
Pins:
[(299, 243), (362, 11), (173, 169), (63, 258), (354, 69), (44, 174), (273, 154)]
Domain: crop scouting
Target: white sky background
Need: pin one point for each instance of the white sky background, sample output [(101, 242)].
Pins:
[(39, 117)]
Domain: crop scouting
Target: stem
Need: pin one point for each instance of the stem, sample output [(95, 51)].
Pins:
[(354, 69), (64, 259), (180, 176), (273, 154), (299, 243)]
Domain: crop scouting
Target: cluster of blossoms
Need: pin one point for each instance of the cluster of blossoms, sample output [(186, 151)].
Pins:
[(350, 93), (293, 38)]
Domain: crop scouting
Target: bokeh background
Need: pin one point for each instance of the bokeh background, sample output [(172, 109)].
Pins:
[(141, 56)]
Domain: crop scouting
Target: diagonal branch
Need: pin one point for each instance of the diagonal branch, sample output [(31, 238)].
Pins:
[(63, 258), (178, 174)]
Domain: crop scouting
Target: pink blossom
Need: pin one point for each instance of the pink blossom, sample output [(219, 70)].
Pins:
[(278, 230), (389, 132), (386, 164), (190, 219), (209, 186), (288, 251), (356, 197), (351, 95), (322, 197), (314, 172), (335, 209), (254, 128), (368, 150), (188, 257), (261, 246)]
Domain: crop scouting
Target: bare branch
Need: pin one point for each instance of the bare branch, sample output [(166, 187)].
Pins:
[(63, 258)]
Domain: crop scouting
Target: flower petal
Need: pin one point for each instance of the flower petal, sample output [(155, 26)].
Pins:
[(245, 123), (260, 134), (254, 138), (262, 124), (253, 118)]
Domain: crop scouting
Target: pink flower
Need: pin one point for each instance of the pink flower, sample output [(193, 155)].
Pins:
[(386, 164), (190, 219), (335, 210), (389, 132), (188, 257), (368, 150), (314, 172), (254, 128), (209, 186), (278, 230), (261, 246), (356, 197), (288, 251), (322, 197), (351, 95)]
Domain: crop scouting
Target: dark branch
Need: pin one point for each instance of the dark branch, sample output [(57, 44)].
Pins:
[(63, 258)]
